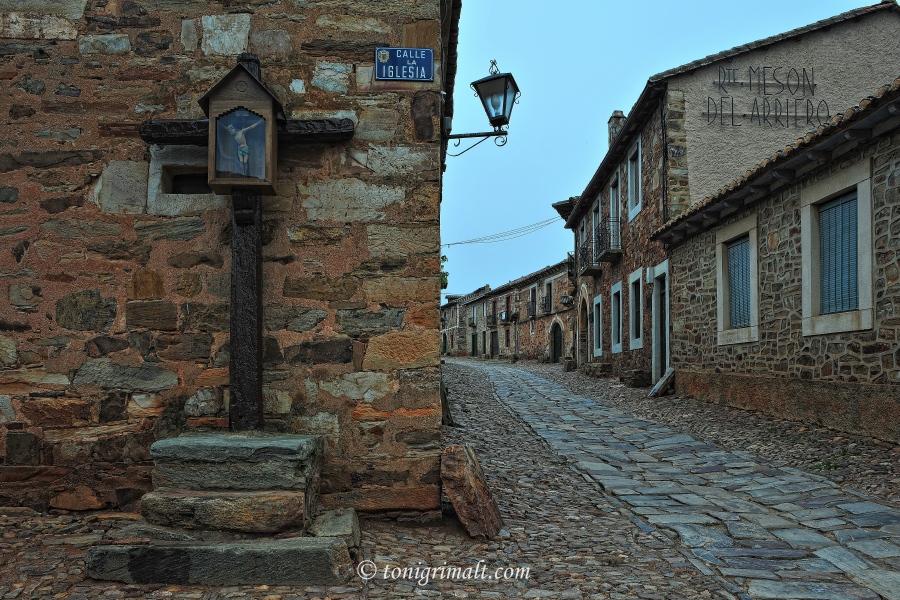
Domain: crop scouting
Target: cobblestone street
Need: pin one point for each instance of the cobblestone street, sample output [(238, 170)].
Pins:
[(680, 517)]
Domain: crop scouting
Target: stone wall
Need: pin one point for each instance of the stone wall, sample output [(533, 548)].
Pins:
[(453, 330), (534, 335), (843, 380), (114, 311)]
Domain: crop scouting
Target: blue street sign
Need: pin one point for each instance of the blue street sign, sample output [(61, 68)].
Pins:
[(404, 64)]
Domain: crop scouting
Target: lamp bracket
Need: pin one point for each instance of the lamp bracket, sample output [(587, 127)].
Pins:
[(499, 136), (487, 134)]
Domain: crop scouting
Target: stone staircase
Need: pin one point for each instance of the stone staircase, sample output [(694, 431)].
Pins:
[(231, 509)]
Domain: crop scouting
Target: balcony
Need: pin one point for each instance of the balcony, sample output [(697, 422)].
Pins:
[(609, 241), (473, 322), (546, 304), (532, 309), (505, 316), (587, 263), (492, 319)]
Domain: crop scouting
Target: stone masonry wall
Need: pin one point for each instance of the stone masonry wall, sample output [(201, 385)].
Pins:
[(114, 309), (844, 380), (638, 251), (528, 338), (535, 345)]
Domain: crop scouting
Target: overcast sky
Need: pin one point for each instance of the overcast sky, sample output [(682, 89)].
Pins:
[(575, 62)]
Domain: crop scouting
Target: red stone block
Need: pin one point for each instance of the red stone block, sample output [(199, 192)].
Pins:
[(146, 74), (380, 499), (219, 422), (31, 474)]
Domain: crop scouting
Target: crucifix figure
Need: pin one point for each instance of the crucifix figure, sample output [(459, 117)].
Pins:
[(243, 149)]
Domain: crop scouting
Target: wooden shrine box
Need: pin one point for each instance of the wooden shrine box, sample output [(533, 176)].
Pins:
[(243, 131)]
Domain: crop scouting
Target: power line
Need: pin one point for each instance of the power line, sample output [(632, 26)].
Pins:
[(505, 235)]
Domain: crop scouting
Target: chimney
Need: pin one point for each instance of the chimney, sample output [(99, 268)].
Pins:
[(615, 125)]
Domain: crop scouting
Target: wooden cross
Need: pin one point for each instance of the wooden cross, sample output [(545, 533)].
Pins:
[(245, 367)]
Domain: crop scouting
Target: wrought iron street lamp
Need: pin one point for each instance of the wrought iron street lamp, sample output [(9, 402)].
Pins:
[(498, 93)]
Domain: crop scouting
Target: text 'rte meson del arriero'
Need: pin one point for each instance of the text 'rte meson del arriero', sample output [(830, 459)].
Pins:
[(778, 97)]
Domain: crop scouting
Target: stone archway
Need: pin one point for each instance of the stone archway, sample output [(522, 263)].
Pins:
[(556, 342), (582, 336)]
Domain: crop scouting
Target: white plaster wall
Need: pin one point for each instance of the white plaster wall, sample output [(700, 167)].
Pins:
[(850, 61)]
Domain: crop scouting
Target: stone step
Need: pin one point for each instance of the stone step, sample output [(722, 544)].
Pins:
[(292, 561), (252, 512), (238, 461)]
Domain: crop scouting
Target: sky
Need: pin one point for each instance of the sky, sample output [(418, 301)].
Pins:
[(574, 64)]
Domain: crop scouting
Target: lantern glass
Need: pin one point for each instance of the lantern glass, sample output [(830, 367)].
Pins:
[(241, 144), (497, 94)]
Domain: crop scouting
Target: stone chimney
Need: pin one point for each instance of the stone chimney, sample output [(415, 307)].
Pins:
[(615, 125)]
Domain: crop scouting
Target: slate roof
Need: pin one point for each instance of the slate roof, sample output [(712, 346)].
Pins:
[(793, 33), (531, 277)]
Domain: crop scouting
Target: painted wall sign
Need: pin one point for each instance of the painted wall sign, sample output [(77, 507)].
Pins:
[(766, 96), (404, 64)]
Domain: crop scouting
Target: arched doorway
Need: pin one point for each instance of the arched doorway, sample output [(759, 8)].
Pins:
[(583, 334), (556, 342)]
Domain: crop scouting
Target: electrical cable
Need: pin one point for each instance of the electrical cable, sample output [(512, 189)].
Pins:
[(505, 235)]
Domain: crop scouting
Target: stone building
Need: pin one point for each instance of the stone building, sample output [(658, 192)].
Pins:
[(529, 317), (692, 129), (786, 283), (454, 324), (116, 260)]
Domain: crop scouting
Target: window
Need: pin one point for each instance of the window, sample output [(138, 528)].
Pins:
[(598, 326), (737, 288), (614, 214), (836, 248), (177, 183), (507, 337), (635, 315), (739, 281), (615, 310), (634, 180), (839, 283), (595, 229)]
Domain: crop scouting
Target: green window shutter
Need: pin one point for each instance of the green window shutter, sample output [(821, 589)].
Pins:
[(739, 282), (838, 245)]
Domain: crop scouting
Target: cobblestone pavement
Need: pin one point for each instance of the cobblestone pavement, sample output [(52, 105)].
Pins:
[(698, 521), (858, 462), (775, 532), (575, 541)]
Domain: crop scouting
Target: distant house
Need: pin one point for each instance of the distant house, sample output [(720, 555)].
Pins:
[(692, 129), (786, 284), (455, 322), (529, 317)]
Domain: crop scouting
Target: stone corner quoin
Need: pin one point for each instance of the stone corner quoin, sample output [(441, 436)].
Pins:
[(115, 307)]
